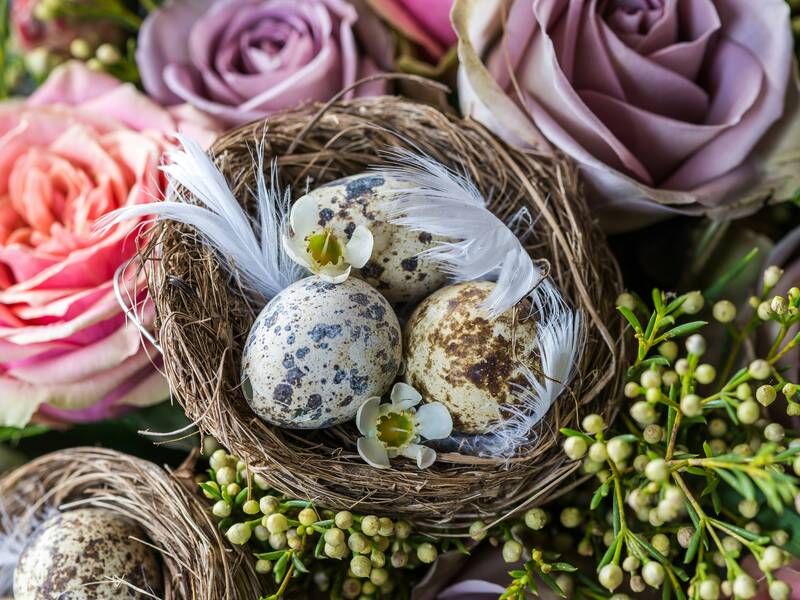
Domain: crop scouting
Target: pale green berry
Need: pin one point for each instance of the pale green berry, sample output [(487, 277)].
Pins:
[(610, 577), (772, 559), (772, 275), (724, 311), (512, 551), (334, 536), (108, 54), (789, 390), (263, 566), (653, 433), (668, 350), (213, 485), (618, 450), (343, 519), (779, 590), (626, 300), (708, 589), (653, 395), (226, 475), (570, 517), (744, 586), (650, 379), (670, 378), (661, 543), (277, 541), (336, 551), (233, 489), (653, 574), (370, 525), (535, 518), (378, 576), (477, 531), (744, 391), (277, 523), (759, 369), (705, 374), (399, 559), (748, 508), (307, 516), (268, 505), (381, 543), (386, 526), (631, 564), (657, 470), (238, 533), (692, 405), (402, 530), (766, 395), (632, 390), (682, 366), (796, 466), (261, 533), (261, 483), (593, 423), (685, 535), (219, 458), (351, 588), (780, 537), (778, 305), (80, 49), (361, 566), (731, 545), (358, 543), (643, 413), (250, 507), (377, 557), (597, 452), (693, 303), (696, 344), (764, 311), (748, 412), (427, 553), (221, 509), (774, 432)]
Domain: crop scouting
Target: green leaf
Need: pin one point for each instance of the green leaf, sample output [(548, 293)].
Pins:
[(616, 520), (551, 583), (631, 318), (273, 555), (210, 490), (609, 553), (694, 544), (574, 433), (683, 329), (319, 548), (658, 300), (241, 496), (565, 567), (599, 494), (12, 434), (713, 291), (298, 564), (282, 564)]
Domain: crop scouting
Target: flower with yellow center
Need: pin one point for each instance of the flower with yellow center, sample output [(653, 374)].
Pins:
[(319, 248), (396, 429)]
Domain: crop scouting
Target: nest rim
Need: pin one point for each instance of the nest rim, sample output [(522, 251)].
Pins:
[(202, 324), (196, 561)]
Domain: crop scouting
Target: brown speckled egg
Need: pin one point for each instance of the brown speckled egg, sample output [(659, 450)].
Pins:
[(393, 269), (75, 549), (455, 355), (318, 350)]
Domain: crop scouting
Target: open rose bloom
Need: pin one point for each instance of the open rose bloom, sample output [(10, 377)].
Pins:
[(670, 106), (80, 147)]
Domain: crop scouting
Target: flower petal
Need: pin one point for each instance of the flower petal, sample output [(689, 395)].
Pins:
[(296, 252), (424, 456), (434, 421), (404, 396), (333, 274), (359, 248), (367, 415), (304, 216), (373, 452)]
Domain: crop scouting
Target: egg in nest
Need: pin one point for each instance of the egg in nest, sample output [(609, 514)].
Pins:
[(74, 554), (394, 269), (318, 350), (456, 355)]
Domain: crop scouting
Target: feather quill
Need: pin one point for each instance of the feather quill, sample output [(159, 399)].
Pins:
[(253, 249), (442, 202)]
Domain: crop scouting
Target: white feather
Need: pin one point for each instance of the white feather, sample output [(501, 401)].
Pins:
[(559, 340), (439, 201), (254, 250)]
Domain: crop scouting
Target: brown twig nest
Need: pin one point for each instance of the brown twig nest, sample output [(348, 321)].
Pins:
[(203, 322), (197, 562)]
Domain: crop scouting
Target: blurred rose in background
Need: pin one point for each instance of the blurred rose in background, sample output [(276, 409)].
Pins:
[(83, 145), (670, 107), (240, 60), (424, 22)]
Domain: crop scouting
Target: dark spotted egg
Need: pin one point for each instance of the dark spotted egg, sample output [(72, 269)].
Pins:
[(394, 268), (82, 554), (455, 355), (318, 350)]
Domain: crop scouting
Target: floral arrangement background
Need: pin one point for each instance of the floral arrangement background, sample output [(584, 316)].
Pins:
[(685, 120)]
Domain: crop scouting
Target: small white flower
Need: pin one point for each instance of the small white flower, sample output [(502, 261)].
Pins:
[(318, 248), (396, 429)]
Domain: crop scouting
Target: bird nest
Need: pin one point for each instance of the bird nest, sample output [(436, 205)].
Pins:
[(197, 563), (203, 321)]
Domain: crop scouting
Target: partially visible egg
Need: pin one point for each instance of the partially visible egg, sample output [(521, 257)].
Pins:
[(394, 268), (456, 355), (76, 553), (318, 350)]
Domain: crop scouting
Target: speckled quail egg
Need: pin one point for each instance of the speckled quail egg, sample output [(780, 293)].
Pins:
[(75, 554), (318, 350), (456, 355), (394, 268)]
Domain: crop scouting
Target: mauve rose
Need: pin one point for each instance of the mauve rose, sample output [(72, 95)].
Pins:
[(671, 106), (425, 22), (240, 60), (83, 145)]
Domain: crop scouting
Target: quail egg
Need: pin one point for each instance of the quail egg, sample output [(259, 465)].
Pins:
[(456, 355), (394, 268), (76, 553), (318, 350)]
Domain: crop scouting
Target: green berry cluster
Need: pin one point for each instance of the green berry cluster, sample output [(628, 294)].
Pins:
[(352, 556)]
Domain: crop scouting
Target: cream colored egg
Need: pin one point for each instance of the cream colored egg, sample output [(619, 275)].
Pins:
[(318, 350), (77, 553), (455, 355), (394, 268)]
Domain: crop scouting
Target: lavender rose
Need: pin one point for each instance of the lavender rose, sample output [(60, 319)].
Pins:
[(670, 106), (239, 60)]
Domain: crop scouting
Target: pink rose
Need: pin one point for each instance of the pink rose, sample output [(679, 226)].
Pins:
[(80, 147), (424, 22), (240, 60), (670, 106)]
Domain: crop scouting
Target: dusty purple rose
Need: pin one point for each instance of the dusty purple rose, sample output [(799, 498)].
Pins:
[(670, 106), (240, 60)]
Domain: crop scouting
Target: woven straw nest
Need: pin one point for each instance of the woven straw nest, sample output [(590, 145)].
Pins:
[(197, 562), (203, 322)]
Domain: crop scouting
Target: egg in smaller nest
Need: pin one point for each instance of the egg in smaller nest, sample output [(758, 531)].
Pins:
[(75, 554), (318, 350), (394, 268), (456, 355)]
